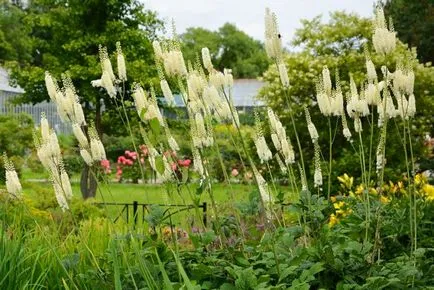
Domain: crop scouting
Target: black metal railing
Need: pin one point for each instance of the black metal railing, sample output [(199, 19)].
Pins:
[(140, 209)]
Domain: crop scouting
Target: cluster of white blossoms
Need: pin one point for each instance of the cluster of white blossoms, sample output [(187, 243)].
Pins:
[(273, 41), (215, 104), (262, 149), (146, 105), (280, 141), (403, 85), (384, 39), (167, 93), (273, 45), (13, 185), (330, 101), (66, 99), (381, 160), (357, 105), (345, 130), (201, 133), (198, 163), (171, 57), (49, 154), (108, 79), (122, 69), (314, 136), (311, 127), (70, 110), (262, 186), (206, 58), (317, 177)]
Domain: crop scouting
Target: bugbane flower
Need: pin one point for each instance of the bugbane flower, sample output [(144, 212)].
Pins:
[(167, 92), (157, 50), (60, 196), (273, 42), (50, 84), (86, 156), (105, 63), (317, 173), (206, 58), (370, 68), (283, 73), (384, 39), (311, 127), (122, 70), (13, 185), (262, 149)]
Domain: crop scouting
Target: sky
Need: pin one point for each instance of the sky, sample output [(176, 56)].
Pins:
[(248, 15)]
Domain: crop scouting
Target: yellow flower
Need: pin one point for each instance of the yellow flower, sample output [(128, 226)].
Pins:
[(333, 198), (359, 189), (346, 180), (339, 205), (333, 220), (384, 199), (429, 192), (419, 179)]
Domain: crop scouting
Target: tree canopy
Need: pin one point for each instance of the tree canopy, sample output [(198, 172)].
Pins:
[(229, 47), (65, 35), (414, 23)]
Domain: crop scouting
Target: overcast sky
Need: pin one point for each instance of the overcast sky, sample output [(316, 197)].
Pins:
[(248, 15)]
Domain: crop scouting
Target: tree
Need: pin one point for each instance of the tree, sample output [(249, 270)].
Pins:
[(414, 24), (229, 47), (339, 44), (15, 138), (15, 42), (65, 36)]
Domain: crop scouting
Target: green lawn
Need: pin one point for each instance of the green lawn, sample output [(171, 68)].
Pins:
[(226, 195)]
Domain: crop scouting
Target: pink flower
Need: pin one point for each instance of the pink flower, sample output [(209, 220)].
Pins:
[(106, 165), (234, 172), (174, 166), (144, 149), (184, 163), (121, 159)]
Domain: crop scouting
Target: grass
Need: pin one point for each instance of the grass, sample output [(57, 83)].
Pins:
[(226, 195)]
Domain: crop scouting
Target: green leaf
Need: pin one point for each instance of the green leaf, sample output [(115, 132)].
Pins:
[(155, 127), (159, 164), (184, 174), (166, 280), (286, 272)]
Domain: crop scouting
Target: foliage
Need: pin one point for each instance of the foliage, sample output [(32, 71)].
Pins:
[(15, 42), (15, 138), (414, 26), (230, 47), (65, 36), (279, 259)]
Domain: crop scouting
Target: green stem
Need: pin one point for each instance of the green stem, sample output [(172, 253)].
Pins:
[(330, 158), (412, 181)]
